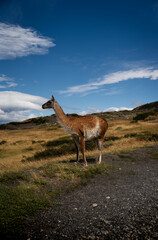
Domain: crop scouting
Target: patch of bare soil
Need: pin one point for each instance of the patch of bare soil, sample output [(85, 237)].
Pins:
[(122, 204)]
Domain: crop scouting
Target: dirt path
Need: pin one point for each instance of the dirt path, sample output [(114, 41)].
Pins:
[(122, 204)]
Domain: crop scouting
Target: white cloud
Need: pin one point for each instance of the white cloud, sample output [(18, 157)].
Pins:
[(91, 110), (14, 116), (17, 106), (7, 82), (116, 109), (79, 89), (83, 113), (16, 41), (112, 79)]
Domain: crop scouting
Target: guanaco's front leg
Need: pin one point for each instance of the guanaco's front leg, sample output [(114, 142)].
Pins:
[(82, 142)]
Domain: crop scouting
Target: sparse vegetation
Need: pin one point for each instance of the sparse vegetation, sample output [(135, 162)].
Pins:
[(38, 165), (155, 155), (16, 203)]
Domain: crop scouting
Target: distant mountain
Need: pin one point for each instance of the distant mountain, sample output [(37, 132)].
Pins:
[(52, 120)]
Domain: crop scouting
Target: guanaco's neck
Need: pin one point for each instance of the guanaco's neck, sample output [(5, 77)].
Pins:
[(62, 118)]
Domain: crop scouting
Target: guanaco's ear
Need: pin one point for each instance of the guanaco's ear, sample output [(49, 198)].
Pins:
[(52, 98)]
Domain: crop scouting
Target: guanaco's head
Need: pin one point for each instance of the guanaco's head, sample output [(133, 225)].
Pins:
[(49, 104)]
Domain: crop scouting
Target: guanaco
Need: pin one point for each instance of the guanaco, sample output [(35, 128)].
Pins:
[(81, 128)]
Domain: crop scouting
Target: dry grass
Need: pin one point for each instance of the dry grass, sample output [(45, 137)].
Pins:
[(21, 144)]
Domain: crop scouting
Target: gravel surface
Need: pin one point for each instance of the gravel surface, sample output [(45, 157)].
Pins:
[(122, 204)]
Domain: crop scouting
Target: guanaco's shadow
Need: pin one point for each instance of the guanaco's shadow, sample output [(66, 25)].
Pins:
[(89, 160)]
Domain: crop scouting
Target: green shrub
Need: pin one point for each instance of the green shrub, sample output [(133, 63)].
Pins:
[(74, 114), (112, 138), (148, 137), (143, 116), (10, 177), (3, 126), (2, 142), (39, 120), (128, 135)]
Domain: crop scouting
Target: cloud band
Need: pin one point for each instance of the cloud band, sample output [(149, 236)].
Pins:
[(112, 79)]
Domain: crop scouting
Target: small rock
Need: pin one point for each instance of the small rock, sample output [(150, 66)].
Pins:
[(108, 197), (105, 232), (95, 205)]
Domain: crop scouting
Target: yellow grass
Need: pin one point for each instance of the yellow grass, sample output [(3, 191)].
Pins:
[(21, 144)]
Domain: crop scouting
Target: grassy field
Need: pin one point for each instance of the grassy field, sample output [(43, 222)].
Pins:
[(38, 165)]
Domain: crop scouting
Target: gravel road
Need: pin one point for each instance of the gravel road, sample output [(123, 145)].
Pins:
[(122, 204)]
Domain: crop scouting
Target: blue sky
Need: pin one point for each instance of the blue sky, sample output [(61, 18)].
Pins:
[(92, 55)]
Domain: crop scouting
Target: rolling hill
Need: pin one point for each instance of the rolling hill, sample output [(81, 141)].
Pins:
[(148, 109)]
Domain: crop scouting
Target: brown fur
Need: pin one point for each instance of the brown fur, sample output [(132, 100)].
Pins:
[(81, 128)]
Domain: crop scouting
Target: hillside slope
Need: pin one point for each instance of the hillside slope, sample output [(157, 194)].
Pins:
[(148, 107)]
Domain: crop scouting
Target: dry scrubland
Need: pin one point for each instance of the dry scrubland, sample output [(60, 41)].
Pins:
[(37, 165)]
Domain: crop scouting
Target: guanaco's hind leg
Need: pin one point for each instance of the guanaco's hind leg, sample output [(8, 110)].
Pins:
[(100, 148), (82, 142)]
